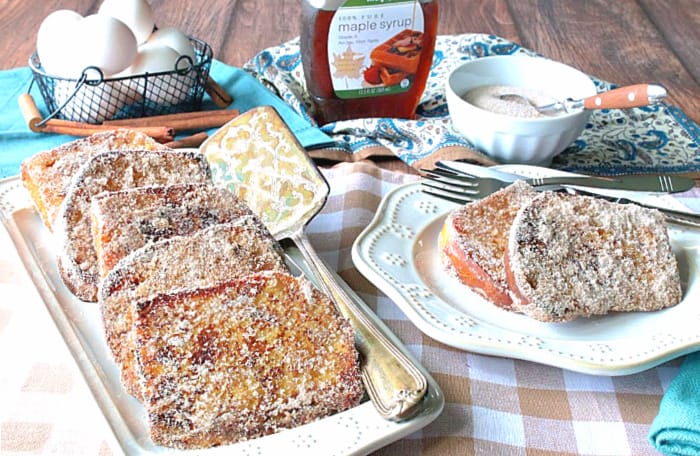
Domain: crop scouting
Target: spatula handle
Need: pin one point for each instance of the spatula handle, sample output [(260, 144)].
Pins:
[(393, 382), (626, 97)]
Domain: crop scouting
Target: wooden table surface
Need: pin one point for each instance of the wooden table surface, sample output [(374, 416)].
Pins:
[(624, 41)]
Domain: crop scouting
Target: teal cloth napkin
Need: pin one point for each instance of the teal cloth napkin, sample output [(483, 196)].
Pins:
[(676, 429), (18, 142)]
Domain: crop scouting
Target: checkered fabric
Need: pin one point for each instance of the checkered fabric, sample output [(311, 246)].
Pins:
[(45, 405), (493, 405)]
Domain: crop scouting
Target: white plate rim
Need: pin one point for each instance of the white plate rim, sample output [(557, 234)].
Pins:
[(405, 212)]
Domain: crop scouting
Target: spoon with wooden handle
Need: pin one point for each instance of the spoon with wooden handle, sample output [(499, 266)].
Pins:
[(631, 96)]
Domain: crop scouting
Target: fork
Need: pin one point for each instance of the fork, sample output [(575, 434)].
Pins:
[(463, 180), (463, 189), (457, 187)]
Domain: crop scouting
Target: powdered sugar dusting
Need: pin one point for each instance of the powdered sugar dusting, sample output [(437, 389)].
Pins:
[(479, 231), (111, 171), (258, 357), (207, 257), (579, 256)]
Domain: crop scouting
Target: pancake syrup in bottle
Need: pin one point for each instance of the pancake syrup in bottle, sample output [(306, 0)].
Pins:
[(367, 58)]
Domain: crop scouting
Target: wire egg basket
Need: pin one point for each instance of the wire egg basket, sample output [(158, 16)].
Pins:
[(92, 98)]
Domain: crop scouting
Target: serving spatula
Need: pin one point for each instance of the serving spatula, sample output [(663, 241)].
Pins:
[(265, 166)]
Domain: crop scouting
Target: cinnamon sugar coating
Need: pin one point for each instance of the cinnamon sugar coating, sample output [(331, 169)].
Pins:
[(168, 254), (556, 257), (575, 256), (125, 220), (475, 238), (243, 359), (47, 175), (208, 257), (106, 172)]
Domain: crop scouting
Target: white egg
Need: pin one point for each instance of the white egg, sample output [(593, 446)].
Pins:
[(104, 42), (154, 58), (137, 14), (166, 88), (91, 104), (127, 87), (173, 38), (54, 44)]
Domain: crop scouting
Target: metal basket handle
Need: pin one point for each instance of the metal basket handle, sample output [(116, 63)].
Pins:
[(79, 83)]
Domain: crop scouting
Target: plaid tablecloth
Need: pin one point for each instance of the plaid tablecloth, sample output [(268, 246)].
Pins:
[(493, 405)]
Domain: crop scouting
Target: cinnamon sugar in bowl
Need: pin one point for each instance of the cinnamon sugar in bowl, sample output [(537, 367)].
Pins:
[(512, 131)]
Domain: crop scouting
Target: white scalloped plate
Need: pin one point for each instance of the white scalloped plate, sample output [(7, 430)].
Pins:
[(357, 431), (398, 253)]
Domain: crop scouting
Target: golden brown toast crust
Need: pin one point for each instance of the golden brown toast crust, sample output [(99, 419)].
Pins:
[(46, 175), (105, 172), (300, 348), (474, 239), (126, 220), (208, 257), (244, 359), (574, 256)]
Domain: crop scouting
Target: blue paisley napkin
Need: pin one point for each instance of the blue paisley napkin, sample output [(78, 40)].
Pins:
[(18, 142), (676, 429), (651, 139)]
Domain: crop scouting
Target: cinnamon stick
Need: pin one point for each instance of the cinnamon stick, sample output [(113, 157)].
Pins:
[(68, 127), (190, 141), (32, 116), (219, 96), (183, 121)]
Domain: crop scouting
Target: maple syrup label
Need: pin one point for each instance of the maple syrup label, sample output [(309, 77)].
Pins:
[(374, 47)]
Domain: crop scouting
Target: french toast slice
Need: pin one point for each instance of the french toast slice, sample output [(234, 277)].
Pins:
[(47, 174), (208, 257), (125, 220), (474, 239), (575, 256), (243, 359), (106, 172)]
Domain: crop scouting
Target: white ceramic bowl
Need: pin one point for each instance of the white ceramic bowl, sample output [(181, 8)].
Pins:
[(508, 138)]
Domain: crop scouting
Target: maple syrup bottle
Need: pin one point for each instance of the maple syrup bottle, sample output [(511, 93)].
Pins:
[(367, 58)]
